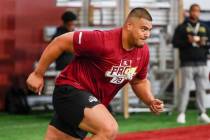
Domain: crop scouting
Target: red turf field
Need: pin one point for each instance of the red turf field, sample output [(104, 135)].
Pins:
[(201, 132)]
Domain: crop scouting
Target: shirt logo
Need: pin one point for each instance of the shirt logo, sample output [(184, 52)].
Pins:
[(80, 38), (92, 99), (122, 72)]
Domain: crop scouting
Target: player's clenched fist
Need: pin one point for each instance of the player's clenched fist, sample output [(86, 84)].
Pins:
[(35, 82), (156, 106)]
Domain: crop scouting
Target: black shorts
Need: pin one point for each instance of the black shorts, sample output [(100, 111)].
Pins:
[(69, 104)]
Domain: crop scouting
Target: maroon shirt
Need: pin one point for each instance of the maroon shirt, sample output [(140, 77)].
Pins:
[(101, 65)]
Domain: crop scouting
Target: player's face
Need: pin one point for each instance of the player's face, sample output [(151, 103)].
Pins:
[(195, 13), (140, 31)]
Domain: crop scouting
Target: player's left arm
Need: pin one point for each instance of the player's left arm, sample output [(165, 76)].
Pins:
[(142, 89)]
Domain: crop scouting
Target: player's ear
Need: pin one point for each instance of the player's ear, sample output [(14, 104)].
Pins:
[(129, 26)]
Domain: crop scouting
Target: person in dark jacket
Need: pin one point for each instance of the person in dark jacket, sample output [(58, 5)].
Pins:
[(69, 19), (192, 39)]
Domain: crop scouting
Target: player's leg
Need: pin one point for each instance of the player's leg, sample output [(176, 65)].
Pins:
[(55, 134), (97, 120), (74, 108), (100, 123)]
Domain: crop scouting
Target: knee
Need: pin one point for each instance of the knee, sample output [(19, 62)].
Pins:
[(51, 134), (110, 131), (55, 134)]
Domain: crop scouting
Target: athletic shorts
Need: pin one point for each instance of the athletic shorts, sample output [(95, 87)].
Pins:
[(69, 104)]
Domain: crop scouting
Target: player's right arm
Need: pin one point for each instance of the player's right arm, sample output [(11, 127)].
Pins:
[(60, 44)]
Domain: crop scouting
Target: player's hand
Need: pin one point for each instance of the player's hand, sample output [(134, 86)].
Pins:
[(35, 83), (156, 106)]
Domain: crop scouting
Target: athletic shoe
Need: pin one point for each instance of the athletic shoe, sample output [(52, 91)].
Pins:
[(204, 118), (181, 118)]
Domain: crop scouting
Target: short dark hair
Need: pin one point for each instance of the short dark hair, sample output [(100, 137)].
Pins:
[(68, 16), (194, 5), (140, 13)]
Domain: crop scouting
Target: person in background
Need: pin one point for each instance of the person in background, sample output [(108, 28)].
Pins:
[(68, 18), (192, 39)]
